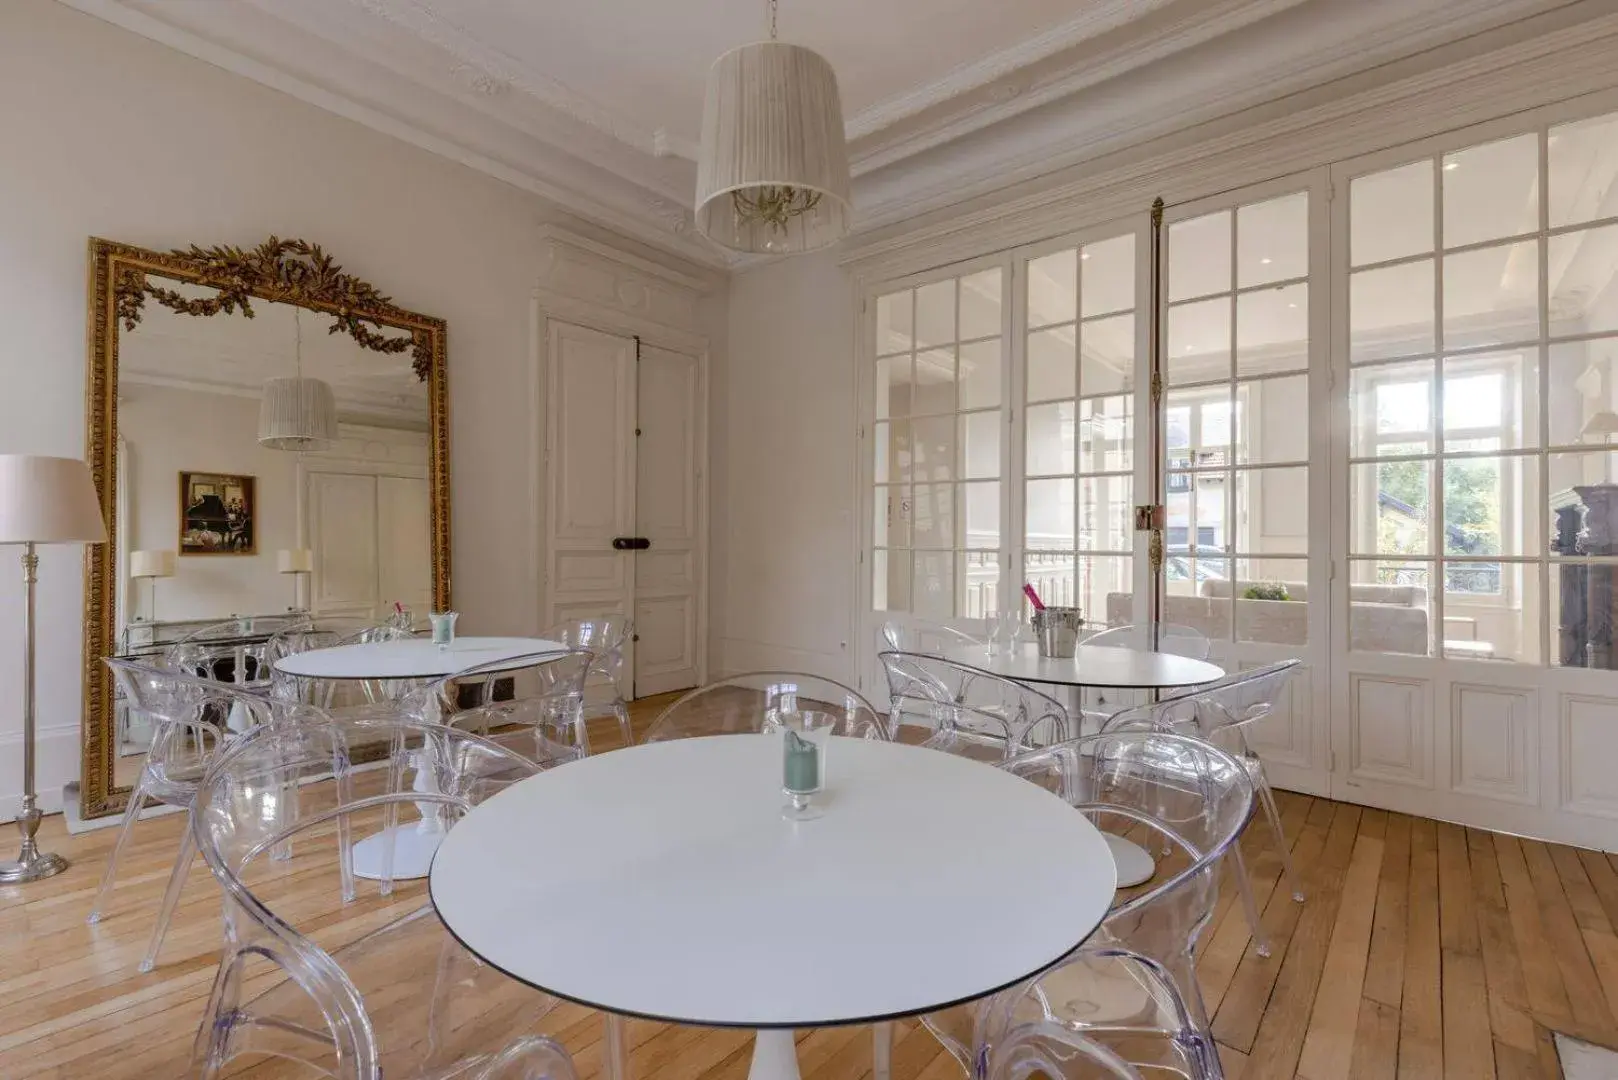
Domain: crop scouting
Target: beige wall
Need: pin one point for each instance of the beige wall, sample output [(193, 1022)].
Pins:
[(111, 135), (784, 482)]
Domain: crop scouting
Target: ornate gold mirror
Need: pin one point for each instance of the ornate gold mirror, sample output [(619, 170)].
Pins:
[(268, 437)]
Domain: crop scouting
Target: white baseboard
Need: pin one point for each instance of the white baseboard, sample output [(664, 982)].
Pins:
[(737, 655)]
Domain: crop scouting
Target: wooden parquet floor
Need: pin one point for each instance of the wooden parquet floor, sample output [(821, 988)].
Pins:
[(1424, 950)]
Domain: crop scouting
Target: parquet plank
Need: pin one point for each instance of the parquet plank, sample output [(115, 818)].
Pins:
[(1329, 1043), (1584, 994), (1376, 1042), (1604, 879), (1508, 996), (1468, 1044), (1385, 966), (1421, 1019), (1546, 996)]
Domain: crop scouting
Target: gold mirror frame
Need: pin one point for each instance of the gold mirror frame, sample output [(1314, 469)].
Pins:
[(281, 271)]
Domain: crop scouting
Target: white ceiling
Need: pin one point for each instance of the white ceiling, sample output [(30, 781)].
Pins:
[(596, 104)]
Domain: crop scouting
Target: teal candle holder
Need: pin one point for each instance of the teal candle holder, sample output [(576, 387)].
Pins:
[(803, 764)]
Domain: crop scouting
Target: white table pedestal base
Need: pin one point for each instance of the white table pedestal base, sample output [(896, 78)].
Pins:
[(775, 1055), (1135, 866), (412, 853)]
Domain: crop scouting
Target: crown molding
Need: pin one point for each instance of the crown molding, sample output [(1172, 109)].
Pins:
[(1563, 56)]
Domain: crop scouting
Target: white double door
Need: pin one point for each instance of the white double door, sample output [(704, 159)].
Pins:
[(371, 539), (623, 497)]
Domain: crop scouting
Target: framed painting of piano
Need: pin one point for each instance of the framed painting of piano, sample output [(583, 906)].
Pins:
[(217, 514)]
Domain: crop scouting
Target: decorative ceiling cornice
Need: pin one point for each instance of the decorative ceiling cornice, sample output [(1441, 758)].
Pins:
[(1056, 100)]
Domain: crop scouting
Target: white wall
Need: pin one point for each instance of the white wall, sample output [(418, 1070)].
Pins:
[(784, 445), (111, 135)]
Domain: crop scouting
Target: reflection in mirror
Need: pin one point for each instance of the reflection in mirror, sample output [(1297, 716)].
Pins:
[(222, 532)]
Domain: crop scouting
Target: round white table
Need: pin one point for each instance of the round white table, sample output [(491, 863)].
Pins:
[(680, 892), (410, 658), (1102, 667)]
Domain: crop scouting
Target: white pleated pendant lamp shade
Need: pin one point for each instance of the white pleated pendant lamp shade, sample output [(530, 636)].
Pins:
[(297, 413), (773, 172)]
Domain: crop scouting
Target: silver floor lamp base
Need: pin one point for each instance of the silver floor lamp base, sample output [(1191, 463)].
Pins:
[(32, 864)]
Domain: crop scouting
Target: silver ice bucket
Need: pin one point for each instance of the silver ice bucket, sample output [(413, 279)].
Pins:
[(1057, 631)]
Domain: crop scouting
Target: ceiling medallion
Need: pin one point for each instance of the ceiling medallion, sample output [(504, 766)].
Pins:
[(772, 176)]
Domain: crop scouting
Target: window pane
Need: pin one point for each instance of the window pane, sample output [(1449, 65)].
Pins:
[(980, 445), (1491, 296), (934, 390), (890, 581), (1053, 574), (893, 382), (1272, 511), (934, 439), (1474, 493), (1053, 288), (1198, 589), (1582, 267), (980, 374), (1106, 434), (1581, 493), (1109, 276), (1583, 168), (881, 453), (1272, 240), (1391, 501), (1199, 256), (1197, 427), (1106, 516), (1271, 604), (1272, 330), (1391, 312), (894, 322), (1272, 420), (1106, 588), (1491, 402), (934, 588), (933, 517), (1583, 391), (1389, 606), (884, 507), (1107, 354), (1050, 437), (1049, 515), (982, 508), (1391, 409), (1391, 214), (1196, 513), (980, 591), (1052, 364), (1483, 617), (1199, 341), (1580, 636), (1491, 191), (980, 305), (893, 451), (935, 314)]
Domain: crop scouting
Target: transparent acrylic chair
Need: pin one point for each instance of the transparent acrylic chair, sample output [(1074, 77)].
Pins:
[(1136, 975), (335, 695), (404, 1000), (925, 637), (1172, 638), (532, 704), (1221, 712), (604, 636), (965, 710), (192, 720), (755, 702), (1047, 1049)]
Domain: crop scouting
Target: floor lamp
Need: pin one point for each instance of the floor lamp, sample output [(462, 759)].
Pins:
[(151, 565), (297, 562), (43, 500)]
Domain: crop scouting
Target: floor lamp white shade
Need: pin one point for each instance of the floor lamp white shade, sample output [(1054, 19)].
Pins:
[(772, 140), (43, 500), (295, 561), (152, 565)]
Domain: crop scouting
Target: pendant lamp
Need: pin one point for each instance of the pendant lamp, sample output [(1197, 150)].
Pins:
[(297, 413), (772, 176)]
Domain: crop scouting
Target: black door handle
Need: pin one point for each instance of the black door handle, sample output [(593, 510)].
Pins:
[(630, 543)]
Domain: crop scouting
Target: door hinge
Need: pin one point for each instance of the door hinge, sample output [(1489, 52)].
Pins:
[(1157, 388), (1154, 551)]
